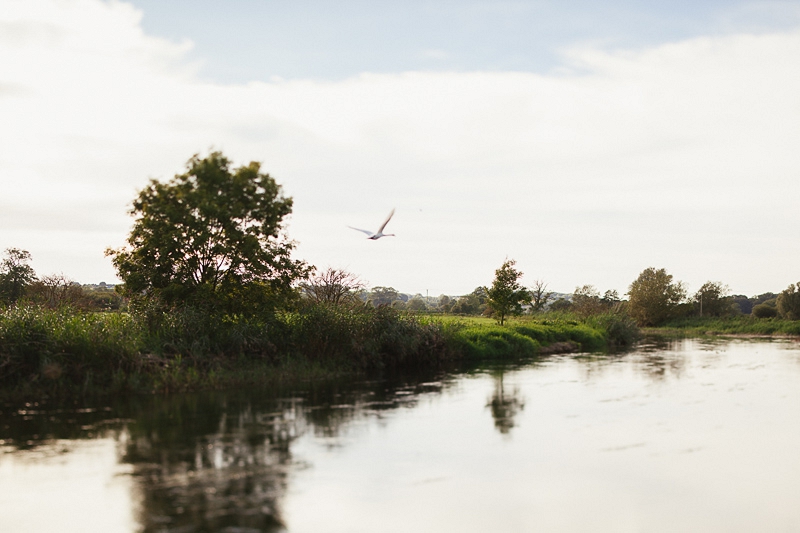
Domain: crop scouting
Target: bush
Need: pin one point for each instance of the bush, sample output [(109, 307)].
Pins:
[(362, 336), (38, 343), (764, 311), (620, 329)]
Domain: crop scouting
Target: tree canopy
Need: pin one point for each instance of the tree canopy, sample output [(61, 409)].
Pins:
[(15, 275), (712, 299), (506, 295), (653, 297), (789, 302), (211, 234), (333, 286)]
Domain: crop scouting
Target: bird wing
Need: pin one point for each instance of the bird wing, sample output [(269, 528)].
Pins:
[(362, 230), (380, 230)]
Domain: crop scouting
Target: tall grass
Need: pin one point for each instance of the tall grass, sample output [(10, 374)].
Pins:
[(63, 345), (363, 337), (740, 325), (153, 348)]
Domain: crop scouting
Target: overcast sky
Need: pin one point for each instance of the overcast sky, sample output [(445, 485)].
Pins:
[(586, 140)]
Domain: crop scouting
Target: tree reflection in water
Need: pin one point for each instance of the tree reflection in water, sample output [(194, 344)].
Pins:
[(221, 463), (505, 405), (232, 477)]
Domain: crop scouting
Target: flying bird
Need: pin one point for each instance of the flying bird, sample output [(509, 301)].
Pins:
[(378, 234)]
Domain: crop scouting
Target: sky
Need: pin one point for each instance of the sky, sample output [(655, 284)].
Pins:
[(587, 141)]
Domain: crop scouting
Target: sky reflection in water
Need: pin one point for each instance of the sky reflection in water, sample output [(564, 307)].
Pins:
[(688, 436)]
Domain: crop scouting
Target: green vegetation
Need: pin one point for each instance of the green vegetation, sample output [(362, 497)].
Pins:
[(654, 297), (67, 350), (212, 298), (731, 325), (506, 295), (210, 237), (15, 275), (788, 302)]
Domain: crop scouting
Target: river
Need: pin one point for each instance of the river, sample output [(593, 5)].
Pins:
[(689, 435)]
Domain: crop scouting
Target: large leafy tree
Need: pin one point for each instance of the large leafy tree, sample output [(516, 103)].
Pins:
[(211, 235), (15, 274), (789, 302), (653, 297), (506, 295)]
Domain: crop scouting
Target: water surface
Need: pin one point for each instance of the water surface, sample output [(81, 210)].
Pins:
[(686, 436)]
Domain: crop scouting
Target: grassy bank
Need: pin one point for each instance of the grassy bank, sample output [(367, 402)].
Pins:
[(65, 351), (740, 325)]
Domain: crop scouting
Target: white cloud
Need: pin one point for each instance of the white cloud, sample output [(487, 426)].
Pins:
[(682, 156)]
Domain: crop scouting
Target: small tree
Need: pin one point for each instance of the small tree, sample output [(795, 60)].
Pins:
[(789, 302), (653, 297), (586, 301), (56, 291), (506, 296), (712, 299), (212, 236), (539, 295), (15, 275), (334, 286)]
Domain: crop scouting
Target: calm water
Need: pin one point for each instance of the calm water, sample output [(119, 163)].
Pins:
[(688, 436)]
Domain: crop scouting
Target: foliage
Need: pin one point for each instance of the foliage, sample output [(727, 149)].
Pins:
[(764, 298), (55, 291), (416, 304), (789, 302), (712, 299), (210, 235), (50, 345), (506, 295), (473, 303), (334, 286), (15, 275), (362, 337), (653, 297), (765, 310), (495, 342), (742, 304), (738, 325), (383, 296), (561, 304), (619, 329), (480, 339), (539, 295)]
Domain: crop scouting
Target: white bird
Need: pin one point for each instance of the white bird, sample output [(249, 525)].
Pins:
[(378, 234)]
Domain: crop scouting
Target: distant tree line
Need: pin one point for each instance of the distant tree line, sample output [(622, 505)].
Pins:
[(212, 238), (653, 298), (19, 284)]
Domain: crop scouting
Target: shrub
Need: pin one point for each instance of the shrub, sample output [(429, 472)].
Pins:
[(764, 311), (620, 329)]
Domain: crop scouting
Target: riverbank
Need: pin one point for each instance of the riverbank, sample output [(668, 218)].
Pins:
[(63, 352), (745, 325)]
